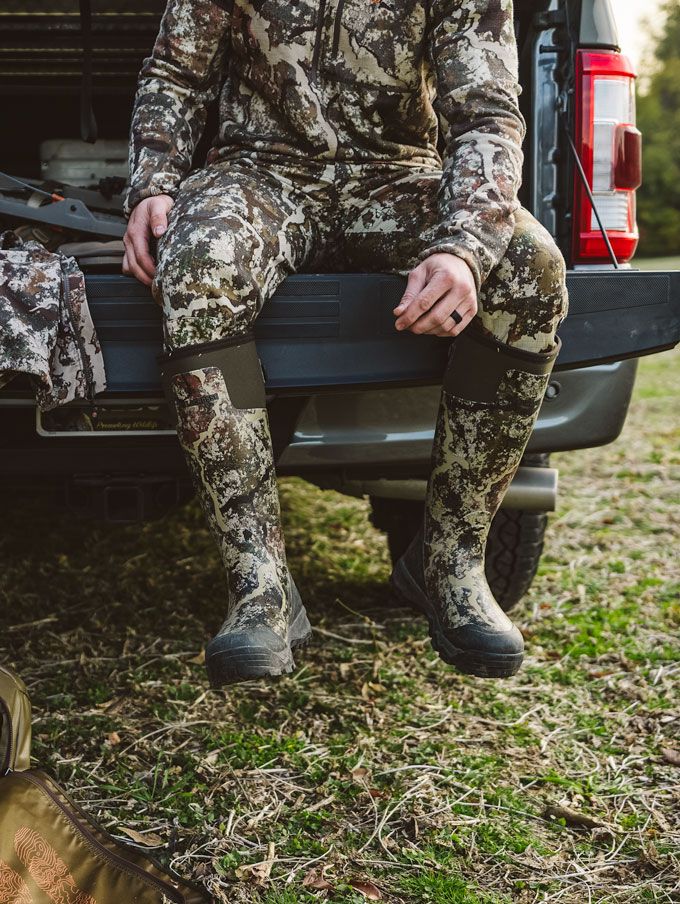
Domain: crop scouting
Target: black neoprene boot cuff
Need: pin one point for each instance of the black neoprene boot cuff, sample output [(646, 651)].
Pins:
[(236, 358), (478, 364)]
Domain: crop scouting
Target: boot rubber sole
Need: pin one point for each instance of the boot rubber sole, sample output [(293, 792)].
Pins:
[(481, 663), (243, 658)]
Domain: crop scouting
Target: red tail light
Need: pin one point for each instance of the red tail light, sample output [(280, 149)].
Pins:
[(610, 148)]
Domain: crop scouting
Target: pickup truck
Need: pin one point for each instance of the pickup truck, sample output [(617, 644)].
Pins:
[(352, 403)]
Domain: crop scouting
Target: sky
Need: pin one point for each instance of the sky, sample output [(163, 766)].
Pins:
[(629, 16)]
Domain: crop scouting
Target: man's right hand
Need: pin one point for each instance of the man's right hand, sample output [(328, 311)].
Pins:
[(148, 218)]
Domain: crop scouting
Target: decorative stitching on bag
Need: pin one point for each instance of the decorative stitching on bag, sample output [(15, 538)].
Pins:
[(13, 889), (47, 869)]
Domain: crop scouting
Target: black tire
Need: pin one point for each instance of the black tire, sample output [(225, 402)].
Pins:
[(513, 549), (513, 552)]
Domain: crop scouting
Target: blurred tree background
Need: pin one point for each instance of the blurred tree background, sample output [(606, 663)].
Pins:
[(659, 121)]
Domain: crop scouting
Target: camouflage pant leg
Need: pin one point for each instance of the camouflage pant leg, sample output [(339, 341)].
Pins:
[(478, 446), (391, 214), (478, 442), (229, 453), (235, 231)]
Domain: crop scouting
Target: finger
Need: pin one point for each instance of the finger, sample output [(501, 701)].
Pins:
[(156, 292), (468, 314), (449, 324), (138, 251), (458, 317), (452, 329), (437, 286), (439, 313), (158, 218), (417, 279), (134, 268), (125, 266)]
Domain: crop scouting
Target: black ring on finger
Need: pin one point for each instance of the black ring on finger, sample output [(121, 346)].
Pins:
[(456, 316)]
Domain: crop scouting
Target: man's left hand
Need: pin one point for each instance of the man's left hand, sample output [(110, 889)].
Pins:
[(438, 286)]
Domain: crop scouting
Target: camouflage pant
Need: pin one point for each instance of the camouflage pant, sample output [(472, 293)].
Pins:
[(239, 227)]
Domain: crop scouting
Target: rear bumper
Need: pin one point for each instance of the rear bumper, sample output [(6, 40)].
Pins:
[(358, 434), (395, 427)]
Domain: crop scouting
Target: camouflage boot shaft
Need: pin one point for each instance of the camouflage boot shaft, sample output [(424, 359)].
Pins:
[(222, 425), (489, 404)]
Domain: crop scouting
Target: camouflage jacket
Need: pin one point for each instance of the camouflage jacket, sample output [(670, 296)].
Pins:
[(46, 330), (344, 80)]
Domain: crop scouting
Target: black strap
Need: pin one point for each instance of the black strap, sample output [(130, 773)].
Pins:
[(478, 363), (88, 123), (235, 356)]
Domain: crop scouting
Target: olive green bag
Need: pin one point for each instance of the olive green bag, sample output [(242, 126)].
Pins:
[(50, 849)]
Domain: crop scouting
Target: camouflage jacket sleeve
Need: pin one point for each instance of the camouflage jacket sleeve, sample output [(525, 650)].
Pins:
[(474, 57), (175, 86)]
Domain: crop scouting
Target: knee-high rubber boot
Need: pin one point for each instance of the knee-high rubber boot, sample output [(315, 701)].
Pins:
[(218, 395), (490, 400)]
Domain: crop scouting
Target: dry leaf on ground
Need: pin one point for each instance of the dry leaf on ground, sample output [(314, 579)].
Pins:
[(315, 879), (574, 817), (367, 889), (671, 756), (258, 872), (149, 839)]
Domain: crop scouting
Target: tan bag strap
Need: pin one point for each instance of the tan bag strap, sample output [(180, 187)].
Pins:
[(15, 723)]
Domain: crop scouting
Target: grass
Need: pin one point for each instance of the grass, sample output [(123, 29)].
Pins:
[(656, 263), (375, 770)]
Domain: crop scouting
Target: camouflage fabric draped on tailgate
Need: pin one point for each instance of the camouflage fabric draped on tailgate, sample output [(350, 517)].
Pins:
[(46, 330)]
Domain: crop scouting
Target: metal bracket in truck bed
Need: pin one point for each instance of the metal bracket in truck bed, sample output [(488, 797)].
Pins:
[(69, 214)]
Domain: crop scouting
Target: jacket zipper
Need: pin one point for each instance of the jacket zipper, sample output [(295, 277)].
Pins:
[(337, 26), (316, 53), (167, 889)]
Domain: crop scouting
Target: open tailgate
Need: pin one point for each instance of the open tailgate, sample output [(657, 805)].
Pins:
[(332, 330)]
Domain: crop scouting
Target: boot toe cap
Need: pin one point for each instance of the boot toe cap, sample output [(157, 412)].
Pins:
[(486, 640), (241, 655), (480, 651), (258, 637)]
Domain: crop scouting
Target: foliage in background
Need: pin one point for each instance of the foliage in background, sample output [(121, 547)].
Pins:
[(659, 122)]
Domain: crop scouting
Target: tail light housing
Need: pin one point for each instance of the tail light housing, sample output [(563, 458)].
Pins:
[(610, 148)]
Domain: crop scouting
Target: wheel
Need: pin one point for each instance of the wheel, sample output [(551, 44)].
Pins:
[(513, 549), (513, 552)]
